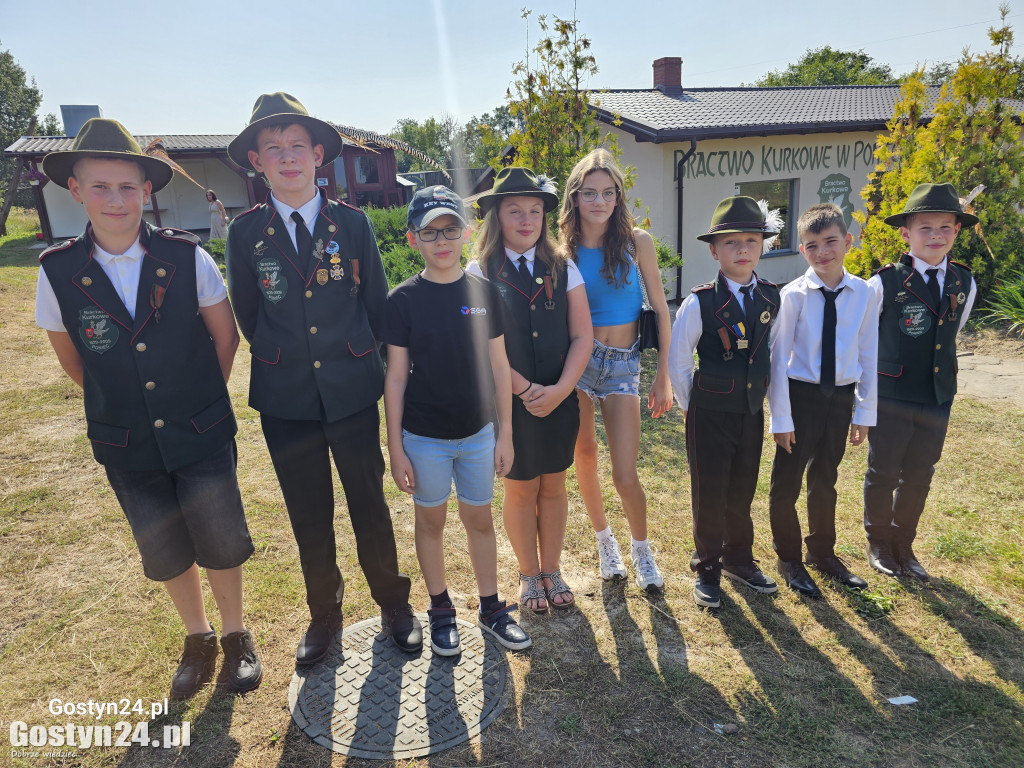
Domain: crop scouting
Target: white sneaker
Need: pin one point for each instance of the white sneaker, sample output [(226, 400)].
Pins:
[(612, 566), (647, 574)]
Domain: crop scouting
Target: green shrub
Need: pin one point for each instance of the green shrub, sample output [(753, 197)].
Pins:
[(400, 261), (1006, 304), (216, 248)]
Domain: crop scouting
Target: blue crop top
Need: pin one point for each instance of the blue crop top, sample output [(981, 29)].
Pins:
[(609, 305)]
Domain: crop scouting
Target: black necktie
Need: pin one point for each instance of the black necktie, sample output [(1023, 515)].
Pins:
[(303, 240), (524, 276), (748, 312), (933, 286), (828, 342)]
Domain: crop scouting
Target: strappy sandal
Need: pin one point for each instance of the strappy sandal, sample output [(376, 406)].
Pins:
[(533, 592), (558, 587)]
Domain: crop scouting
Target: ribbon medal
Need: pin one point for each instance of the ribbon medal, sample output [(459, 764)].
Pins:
[(741, 331), (550, 303), (355, 277), (723, 334), (156, 299)]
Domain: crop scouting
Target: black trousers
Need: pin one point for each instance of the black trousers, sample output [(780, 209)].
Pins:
[(724, 453), (301, 453), (904, 449), (821, 424)]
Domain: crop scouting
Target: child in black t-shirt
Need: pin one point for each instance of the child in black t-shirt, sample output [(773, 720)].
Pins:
[(447, 374)]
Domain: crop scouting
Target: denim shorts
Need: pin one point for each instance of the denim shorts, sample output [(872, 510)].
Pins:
[(191, 515), (435, 463), (612, 371)]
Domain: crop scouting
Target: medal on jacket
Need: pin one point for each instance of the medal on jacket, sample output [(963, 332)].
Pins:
[(318, 250), (259, 249), (765, 317), (321, 276), (901, 296), (723, 334), (741, 331), (355, 277), (337, 271), (156, 299), (550, 303)]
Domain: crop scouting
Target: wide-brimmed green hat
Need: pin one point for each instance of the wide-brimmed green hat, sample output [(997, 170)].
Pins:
[(932, 198), (519, 182), (736, 214), (282, 109), (108, 139)]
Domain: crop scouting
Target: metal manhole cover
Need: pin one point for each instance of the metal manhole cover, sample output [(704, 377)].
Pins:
[(369, 699)]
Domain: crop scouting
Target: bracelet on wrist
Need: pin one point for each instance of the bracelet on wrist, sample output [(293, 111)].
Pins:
[(525, 390)]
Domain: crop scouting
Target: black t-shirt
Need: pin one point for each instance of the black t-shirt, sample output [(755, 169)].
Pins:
[(446, 327)]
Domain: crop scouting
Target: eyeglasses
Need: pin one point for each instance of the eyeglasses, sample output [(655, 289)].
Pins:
[(430, 235), (590, 195)]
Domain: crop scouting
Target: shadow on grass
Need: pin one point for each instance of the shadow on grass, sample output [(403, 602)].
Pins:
[(17, 251)]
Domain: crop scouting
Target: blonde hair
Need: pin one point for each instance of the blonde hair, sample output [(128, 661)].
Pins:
[(618, 238), (489, 243)]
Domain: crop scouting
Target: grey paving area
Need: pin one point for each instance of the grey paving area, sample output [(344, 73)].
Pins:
[(369, 699), (991, 379)]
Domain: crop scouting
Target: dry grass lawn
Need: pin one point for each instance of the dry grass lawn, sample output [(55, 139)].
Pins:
[(624, 680)]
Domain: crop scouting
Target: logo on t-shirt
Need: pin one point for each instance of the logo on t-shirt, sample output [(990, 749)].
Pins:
[(474, 310)]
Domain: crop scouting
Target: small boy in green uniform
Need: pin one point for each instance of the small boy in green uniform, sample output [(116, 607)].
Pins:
[(727, 324), (308, 289), (925, 299), (139, 318)]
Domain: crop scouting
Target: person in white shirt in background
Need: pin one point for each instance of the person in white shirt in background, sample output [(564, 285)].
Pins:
[(824, 351)]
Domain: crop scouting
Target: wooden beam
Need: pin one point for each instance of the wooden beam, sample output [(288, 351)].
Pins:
[(12, 188)]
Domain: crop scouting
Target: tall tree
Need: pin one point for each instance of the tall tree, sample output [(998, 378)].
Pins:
[(19, 100), (828, 66), (973, 139)]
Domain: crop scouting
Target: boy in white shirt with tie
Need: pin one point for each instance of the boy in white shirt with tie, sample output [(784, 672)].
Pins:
[(824, 348)]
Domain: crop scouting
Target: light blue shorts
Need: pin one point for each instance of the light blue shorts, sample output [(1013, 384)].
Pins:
[(611, 371), (435, 463)]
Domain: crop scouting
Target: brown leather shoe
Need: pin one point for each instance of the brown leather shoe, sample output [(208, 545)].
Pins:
[(881, 559), (910, 565)]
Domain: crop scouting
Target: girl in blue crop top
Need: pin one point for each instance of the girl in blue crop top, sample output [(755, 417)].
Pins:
[(596, 231)]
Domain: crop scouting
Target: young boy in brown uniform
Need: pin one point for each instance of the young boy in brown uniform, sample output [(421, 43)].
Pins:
[(308, 289), (727, 323), (139, 319), (925, 299)]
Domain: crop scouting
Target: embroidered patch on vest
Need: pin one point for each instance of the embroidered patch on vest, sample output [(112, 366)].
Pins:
[(98, 333), (915, 319), (272, 282)]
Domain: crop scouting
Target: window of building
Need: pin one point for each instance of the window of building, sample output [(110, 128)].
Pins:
[(366, 170), (340, 183), (779, 194)]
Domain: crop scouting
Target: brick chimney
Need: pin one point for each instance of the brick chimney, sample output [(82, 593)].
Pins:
[(668, 75)]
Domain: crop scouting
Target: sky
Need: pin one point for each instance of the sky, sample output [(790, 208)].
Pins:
[(197, 67)]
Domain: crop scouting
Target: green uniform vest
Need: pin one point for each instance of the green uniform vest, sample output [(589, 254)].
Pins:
[(312, 321), (155, 397), (728, 378), (916, 340), (537, 325)]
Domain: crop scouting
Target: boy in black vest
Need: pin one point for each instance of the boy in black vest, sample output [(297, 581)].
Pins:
[(727, 322), (925, 300), (308, 289), (139, 319)]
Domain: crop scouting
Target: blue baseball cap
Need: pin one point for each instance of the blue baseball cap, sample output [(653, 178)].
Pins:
[(431, 202)]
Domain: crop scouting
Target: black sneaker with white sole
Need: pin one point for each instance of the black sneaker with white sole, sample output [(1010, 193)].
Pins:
[(503, 628), (707, 592), (750, 575)]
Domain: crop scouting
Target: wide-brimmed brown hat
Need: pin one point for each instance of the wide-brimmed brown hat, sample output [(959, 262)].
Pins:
[(932, 198), (519, 182), (736, 214), (107, 139), (282, 109)]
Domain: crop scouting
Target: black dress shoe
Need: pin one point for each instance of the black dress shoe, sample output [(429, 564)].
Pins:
[(404, 627), (834, 567), (319, 635), (880, 558), (909, 563), (243, 667), (196, 667), (797, 578)]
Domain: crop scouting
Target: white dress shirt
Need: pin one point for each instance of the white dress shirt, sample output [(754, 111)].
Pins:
[(308, 211), (572, 274), (796, 345), (686, 333), (922, 268), (124, 271)]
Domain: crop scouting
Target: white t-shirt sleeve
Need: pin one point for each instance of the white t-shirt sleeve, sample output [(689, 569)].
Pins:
[(210, 286), (686, 333), (47, 310), (473, 268), (573, 277)]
